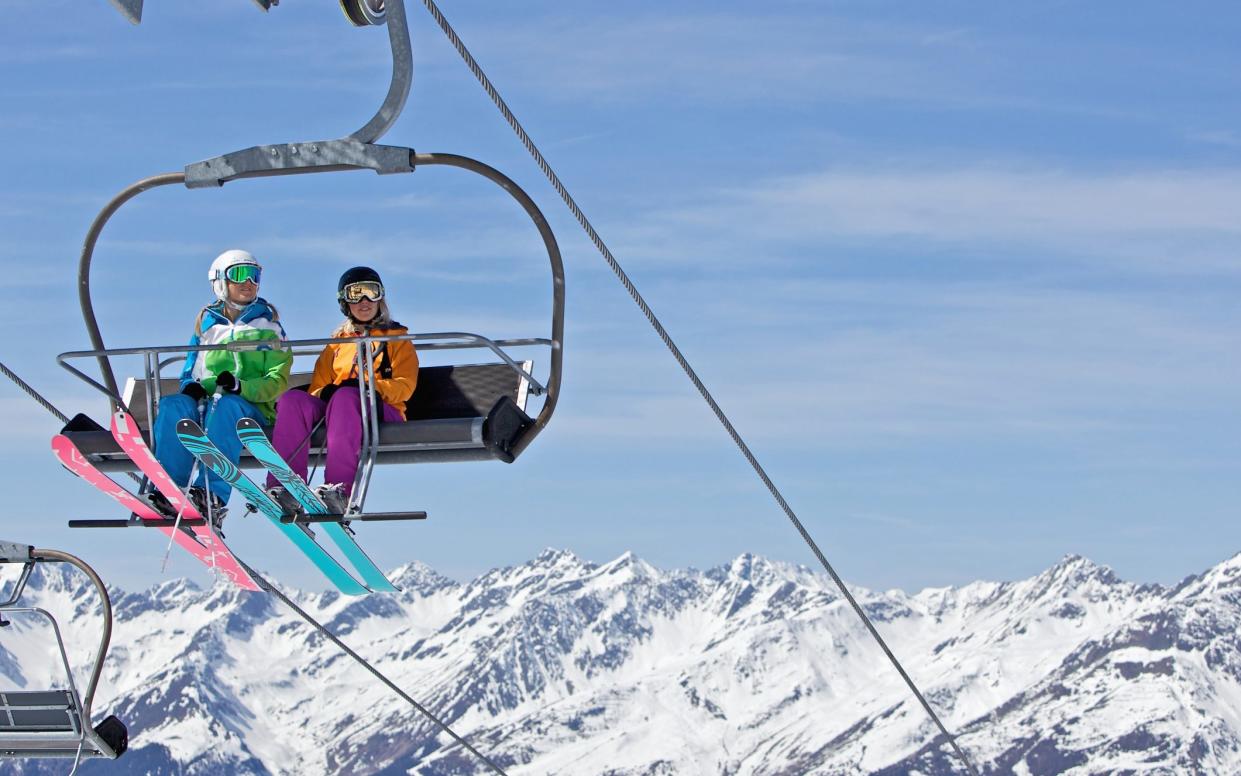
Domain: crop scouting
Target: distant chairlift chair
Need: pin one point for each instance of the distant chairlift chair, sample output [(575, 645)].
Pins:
[(56, 722)]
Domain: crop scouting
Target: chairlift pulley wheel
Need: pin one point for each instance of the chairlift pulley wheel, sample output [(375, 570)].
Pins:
[(364, 13)]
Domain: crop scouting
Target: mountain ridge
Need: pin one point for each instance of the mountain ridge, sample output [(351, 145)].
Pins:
[(753, 666)]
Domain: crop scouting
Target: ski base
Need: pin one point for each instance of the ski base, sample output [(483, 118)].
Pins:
[(193, 534), (255, 439), (197, 442)]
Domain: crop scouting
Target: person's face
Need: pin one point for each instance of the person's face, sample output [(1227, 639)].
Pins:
[(363, 310), (242, 293)]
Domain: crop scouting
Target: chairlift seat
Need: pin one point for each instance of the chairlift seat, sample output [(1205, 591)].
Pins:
[(46, 723), (472, 412), (39, 711)]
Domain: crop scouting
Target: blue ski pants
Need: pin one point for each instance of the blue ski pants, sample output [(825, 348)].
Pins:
[(221, 428)]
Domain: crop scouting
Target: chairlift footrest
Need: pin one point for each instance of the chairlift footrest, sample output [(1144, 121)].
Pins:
[(346, 519), (381, 516), (298, 517), (186, 522)]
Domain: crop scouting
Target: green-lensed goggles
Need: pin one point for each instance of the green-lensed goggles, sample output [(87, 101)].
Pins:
[(240, 273), (363, 289)]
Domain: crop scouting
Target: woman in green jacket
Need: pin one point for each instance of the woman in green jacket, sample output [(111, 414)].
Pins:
[(247, 382)]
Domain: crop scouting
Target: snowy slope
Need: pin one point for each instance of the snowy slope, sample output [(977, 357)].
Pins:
[(567, 667)]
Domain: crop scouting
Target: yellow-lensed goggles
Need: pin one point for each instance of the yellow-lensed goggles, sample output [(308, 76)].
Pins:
[(363, 289)]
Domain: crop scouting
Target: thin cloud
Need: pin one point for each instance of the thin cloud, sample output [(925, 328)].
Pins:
[(926, 361), (1218, 137), (791, 58), (714, 56), (32, 55), (1172, 220)]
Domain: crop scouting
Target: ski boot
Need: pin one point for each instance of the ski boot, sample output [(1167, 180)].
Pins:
[(286, 500), (160, 503), (333, 497), (214, 512)]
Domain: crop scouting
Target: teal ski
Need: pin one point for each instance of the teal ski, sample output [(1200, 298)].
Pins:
[(192, 436), (255, 439)]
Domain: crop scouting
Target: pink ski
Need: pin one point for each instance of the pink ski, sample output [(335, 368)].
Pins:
[(129, 437), (204, 544)]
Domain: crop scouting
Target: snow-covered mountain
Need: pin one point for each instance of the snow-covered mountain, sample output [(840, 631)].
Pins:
[(560, 666)]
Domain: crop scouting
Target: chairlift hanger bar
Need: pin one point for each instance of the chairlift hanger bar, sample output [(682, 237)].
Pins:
[(359, 13), (357, 151), (452, 160)]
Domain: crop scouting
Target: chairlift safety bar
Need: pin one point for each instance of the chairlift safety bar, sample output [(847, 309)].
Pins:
[(469, 341)]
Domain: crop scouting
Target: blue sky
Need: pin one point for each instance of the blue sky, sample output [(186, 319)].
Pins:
[(966, 277)]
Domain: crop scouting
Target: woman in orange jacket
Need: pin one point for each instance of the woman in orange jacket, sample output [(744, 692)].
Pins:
[(334, 397)]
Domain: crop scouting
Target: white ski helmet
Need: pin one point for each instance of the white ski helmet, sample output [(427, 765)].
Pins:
[(222, 262)]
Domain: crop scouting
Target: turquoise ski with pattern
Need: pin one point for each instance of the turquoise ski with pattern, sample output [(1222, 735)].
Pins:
[(192, 436), (253, 437)]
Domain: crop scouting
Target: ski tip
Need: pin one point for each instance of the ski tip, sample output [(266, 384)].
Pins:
[(248, 423)]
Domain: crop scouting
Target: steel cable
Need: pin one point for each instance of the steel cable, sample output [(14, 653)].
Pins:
[(44, 403), (269, 587), (554, 179)]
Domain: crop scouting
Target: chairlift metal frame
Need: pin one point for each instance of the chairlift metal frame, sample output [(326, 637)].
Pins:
[(357, 151), (30, 723)]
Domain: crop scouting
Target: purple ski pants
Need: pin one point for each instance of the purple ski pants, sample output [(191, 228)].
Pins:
[(297, 412)]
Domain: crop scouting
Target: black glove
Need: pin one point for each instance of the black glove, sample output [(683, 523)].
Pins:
[(195, 391), (228, 383), (325, 393)]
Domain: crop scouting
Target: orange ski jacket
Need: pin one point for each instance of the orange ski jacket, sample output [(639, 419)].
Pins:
[(397, 358)]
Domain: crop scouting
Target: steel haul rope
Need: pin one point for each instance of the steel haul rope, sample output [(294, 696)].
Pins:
[(44, 403), (423, 710), (269, 587), (554, 179)]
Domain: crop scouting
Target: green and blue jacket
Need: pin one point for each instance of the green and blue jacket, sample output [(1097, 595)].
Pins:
[(263, 372)]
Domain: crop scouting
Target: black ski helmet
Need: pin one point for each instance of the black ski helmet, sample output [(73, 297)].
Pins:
[(354, 275)]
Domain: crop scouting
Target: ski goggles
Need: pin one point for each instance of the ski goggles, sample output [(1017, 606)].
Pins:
[(363, 289), (240, 273)]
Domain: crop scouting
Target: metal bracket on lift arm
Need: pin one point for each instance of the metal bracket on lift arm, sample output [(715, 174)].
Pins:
[(357, 151), (350, 152)]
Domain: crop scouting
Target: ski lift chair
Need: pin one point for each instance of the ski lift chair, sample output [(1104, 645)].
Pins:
[(459, 412), (56, 723), (462, 412)]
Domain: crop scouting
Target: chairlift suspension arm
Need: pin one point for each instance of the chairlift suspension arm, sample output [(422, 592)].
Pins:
[(402, 74)]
